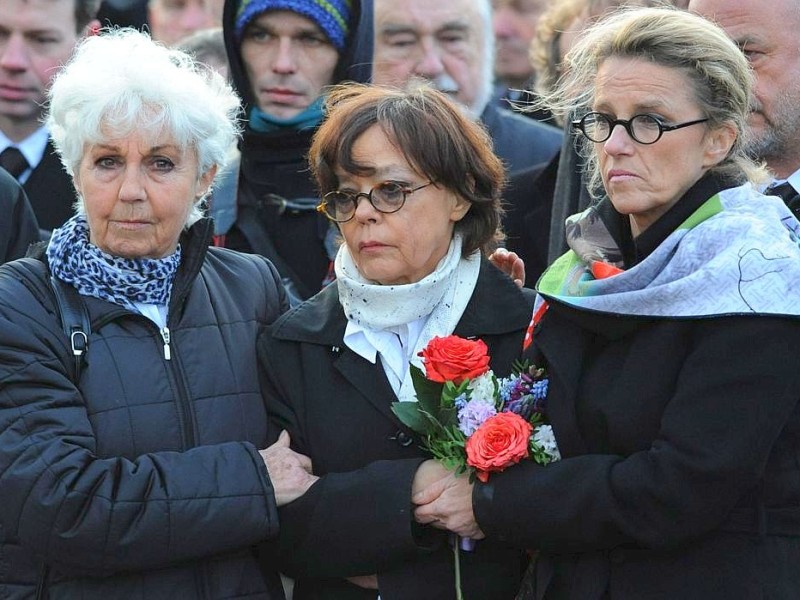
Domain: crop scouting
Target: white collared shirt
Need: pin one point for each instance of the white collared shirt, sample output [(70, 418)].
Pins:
[(395, 346), (157, 313)]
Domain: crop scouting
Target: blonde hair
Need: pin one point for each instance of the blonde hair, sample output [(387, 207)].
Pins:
[(721, 79)]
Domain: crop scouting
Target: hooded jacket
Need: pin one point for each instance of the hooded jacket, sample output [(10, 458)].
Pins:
[(265, 202), (144, 481)]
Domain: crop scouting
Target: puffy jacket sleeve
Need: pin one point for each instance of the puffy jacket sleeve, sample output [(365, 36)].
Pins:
[(85, 514)]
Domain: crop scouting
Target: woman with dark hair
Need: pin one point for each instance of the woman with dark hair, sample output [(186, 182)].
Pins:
[(414, 188)]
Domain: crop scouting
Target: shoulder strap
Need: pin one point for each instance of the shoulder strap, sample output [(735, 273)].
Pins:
[(74, 320), (249, 223)]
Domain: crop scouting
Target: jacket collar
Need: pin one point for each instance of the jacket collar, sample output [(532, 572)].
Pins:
[(194, 247)]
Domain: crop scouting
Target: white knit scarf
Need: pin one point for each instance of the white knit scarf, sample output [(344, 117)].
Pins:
[(441, 296)]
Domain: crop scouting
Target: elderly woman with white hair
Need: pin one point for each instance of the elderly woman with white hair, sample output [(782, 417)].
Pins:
[(139, 472)]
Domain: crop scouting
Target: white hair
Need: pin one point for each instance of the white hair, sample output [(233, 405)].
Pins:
[(487, 68), (122, 81)]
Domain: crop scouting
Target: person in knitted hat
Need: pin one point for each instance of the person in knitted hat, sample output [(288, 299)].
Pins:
[(283, 55), (290, 49), (332, 17)]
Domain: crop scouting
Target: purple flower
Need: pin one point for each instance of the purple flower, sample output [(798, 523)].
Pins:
[(513, 388), (473, 414)]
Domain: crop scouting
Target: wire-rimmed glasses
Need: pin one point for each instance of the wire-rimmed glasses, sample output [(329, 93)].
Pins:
[(386, 197)]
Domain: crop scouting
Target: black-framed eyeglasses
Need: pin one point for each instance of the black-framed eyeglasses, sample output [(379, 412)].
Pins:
[(386, 197), (644, 129)]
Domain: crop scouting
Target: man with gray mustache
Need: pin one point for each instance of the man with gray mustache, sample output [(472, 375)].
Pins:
[(769, 40), (450, 44)]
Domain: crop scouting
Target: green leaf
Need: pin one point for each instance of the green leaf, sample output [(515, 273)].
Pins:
[(448, 417), (412, 417), (429, 393), (520, 366)]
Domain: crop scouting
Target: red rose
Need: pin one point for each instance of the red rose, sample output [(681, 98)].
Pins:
[(455, 359), (501, 441)]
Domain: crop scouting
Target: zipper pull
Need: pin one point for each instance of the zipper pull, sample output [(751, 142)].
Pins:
[(165, 336)]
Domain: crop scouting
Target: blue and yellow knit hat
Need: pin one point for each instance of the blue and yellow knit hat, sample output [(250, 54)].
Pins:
[(332, 16)]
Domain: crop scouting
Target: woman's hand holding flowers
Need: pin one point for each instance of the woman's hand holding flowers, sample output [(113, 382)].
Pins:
[(427, 474), (447, 504)]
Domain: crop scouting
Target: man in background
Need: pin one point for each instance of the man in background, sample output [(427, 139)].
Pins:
[(36, 38), (451, 45), (173, 20), (769, 40), (18, 227), (282, 55), (514, 24)]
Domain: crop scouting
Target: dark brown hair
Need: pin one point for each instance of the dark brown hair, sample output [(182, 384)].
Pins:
[(435, 137)]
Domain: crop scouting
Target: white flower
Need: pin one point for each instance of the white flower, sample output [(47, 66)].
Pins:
[(546, 440), (482, 388)]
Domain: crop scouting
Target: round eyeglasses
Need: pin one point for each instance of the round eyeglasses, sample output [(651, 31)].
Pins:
[(386, 197), (644, 129)]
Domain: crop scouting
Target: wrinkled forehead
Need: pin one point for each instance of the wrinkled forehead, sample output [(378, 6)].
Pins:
[(425, 16), (147, 128)]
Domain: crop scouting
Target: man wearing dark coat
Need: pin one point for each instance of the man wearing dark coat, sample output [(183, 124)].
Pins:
[(265, 201), (451, 46)]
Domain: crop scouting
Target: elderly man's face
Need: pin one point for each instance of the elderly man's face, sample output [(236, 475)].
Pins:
[(441, 41), (769, 40)]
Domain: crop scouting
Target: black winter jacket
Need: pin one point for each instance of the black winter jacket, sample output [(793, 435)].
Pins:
[(145, 481)]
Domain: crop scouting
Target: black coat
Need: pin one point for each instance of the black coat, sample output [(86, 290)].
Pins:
[(680, 438), (528, 200), (520, 142), (144, 482), (337, 408), (50, 191), (18, 227)]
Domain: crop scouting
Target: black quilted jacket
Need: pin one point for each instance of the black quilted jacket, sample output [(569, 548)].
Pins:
[(144, 482)]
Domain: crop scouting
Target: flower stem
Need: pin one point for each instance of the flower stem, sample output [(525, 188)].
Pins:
[(457, 561)]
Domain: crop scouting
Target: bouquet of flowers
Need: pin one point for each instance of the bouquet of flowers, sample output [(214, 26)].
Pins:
[(472, 421)]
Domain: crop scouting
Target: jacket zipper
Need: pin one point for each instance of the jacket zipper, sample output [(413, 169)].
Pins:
[(166, 337), (184, 406), (165, 341)]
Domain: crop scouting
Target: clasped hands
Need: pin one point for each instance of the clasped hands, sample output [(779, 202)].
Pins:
[(444, 500)]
